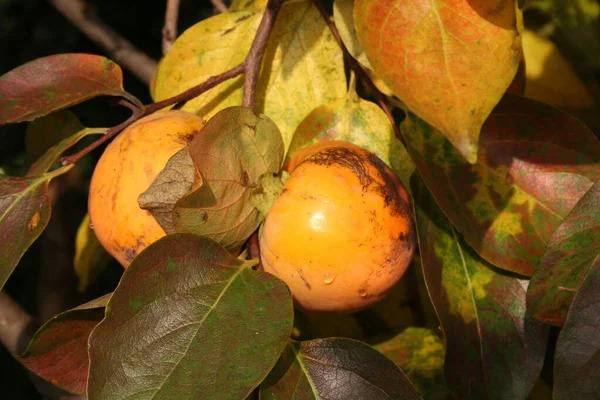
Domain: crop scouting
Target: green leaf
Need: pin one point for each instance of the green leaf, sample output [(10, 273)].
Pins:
[(50, 136), (419, 352), (577, 358), (302, 68), (358, 121), (335, 368), (90, 257), (449, 62), (535, 162), (24, 214), (189, 321), (58, 351), (51, 83), (573, 249), (234, 150), (494, 349)]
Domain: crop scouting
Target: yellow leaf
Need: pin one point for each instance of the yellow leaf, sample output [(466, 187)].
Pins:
[(550, 77), (302, 67), (246, 4), (90, 257)]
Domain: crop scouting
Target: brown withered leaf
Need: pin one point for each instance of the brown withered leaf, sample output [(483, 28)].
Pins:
[(172, 183)]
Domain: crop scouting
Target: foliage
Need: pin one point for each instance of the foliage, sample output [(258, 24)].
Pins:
[(504, 188)]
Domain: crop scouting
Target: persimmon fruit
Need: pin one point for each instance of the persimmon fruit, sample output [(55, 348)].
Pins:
[(341, 234), (125, 170)]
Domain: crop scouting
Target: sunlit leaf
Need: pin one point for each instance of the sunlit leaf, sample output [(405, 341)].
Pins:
[(573, 249), (535, 162), (550, 77), (335, 368), (189, 321), (58, 351), (450, 62), (24, 214), (358, 121), (48, 137), (90, 257), (419, 352), (494, 349), (243, 4), (51, 83), (170, 185), (577, 359), (236, 148), (302, 68)]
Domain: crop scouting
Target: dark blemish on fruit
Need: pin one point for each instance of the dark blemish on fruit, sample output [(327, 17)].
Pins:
[(343, 157), (113, 201), (304, 280), (389, 189)]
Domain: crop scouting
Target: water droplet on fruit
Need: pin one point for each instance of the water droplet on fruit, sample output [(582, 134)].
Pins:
[(362, 292), (328, 278), (91, 226)]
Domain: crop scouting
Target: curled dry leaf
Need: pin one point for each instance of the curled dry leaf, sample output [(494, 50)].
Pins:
[(176, 179), (418, 49), (235, 150)]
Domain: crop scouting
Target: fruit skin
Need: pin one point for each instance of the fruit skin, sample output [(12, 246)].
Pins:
[(125, 170), (341, 233)]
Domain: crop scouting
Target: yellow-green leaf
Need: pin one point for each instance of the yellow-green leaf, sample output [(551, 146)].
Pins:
[(245, 4), (90, 257)]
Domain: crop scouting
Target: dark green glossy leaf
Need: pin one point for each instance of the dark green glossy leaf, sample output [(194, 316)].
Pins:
[(494, 350), (58, 351), (24, 214), (577, 359), (335, 369), (189, 321), (48, 137), (51, 83), (534, 163), (419, 352), (573, 249), (236, 148)]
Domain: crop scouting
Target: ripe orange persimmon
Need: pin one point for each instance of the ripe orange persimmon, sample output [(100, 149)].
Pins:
[(125, 170), (341, 233)]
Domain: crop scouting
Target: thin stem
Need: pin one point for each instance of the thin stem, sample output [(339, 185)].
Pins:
[(220, 7), (169, 31), (360, 72), (254, 58), (72, 159)]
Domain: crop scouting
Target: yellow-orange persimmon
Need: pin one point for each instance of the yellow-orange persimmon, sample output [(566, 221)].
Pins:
[(125, 170), (341, 233)]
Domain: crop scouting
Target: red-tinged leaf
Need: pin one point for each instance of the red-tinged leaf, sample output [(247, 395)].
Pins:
[(494, 350), (450, 61), (577, 359), (51, 83), (24, 214), (335, 369), (50, 136), (234, 151), (535, 162), (420, 353), (573, 249), (189, 321), (58, 351)]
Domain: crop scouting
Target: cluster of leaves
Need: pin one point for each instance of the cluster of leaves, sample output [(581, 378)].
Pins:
[(504, 189)]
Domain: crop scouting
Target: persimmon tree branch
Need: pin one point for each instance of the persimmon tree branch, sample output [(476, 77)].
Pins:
[(118, 48), (250, 66), (169, 31), (220, 7), (359, 71)]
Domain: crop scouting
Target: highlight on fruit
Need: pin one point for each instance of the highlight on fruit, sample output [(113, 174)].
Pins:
[(341, 233), (126, 169)]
